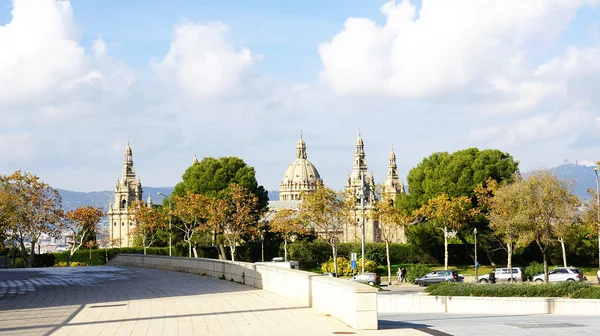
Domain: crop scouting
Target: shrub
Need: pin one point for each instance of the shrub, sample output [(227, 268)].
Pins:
[(73, 264), (416, 271), (565, 289), (533, 269), (309, 254), (344, 266)]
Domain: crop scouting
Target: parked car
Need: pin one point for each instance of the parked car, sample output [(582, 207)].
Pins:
[(503, 274), (437, 277), (367, 278), (561, 274)]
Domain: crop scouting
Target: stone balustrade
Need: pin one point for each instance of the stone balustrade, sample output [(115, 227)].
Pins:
[(352, 303)]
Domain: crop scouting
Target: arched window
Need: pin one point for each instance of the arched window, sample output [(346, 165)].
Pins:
[(123, 204)]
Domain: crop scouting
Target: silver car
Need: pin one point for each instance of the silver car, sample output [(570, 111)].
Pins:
[(503, 274), (561, 274)]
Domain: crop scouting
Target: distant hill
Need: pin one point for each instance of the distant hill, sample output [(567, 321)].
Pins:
[(583, 177), (74, 199)]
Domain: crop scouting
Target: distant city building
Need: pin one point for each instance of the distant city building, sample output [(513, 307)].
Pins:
[(361, 181), (128, 190), (301, 176)]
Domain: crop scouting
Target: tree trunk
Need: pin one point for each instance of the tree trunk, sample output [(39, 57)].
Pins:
[(195, 252), (31, 255), (189, 248), (232, 248), (445, 248), (509, 261), (389, 265), (69, 259), (545, 258), (285, 250), (222, 254), (334, 252), (564, 252), (90, 263), (145, 249)]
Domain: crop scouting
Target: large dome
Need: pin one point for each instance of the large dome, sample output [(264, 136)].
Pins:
[(300, 176)]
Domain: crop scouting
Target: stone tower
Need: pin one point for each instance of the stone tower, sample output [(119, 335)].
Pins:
[(128, 190), (301, 176), (393, 186), (392, 182), (360, 178)]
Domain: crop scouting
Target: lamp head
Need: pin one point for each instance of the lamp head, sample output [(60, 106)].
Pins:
[(596, 168)]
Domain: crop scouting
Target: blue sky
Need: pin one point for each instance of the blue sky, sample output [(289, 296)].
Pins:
[(421, 76)]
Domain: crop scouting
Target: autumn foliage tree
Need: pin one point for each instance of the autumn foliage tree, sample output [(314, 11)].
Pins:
[(82, 225), (547, 203), (241, 216), (30, 208), (192, 210), (149, 222), (288, 224), (391, 220), (326, 212), (449, 214)]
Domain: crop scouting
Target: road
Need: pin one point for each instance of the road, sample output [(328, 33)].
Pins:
[(509, 325)]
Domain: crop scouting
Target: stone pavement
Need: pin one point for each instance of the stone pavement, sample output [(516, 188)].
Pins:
[(134, 301)]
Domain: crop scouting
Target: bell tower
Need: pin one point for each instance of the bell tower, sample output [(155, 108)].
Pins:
[(128, 190)]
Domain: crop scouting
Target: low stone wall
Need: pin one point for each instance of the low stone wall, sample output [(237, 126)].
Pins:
[(352, 303), (485, 305)]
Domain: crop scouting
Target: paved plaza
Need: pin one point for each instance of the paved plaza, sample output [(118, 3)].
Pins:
[(135, 301)]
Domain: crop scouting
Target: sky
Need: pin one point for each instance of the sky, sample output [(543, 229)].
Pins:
[(81, 78)]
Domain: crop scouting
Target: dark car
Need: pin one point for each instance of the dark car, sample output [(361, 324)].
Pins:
[(367, 278), (437, 277)]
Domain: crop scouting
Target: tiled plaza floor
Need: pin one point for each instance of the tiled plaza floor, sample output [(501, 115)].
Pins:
[(135, 301)]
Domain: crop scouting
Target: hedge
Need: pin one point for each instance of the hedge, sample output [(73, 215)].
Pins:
[(345, 267), (574, 290)]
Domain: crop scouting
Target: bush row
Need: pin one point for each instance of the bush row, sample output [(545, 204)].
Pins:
[(312, 254), (345, 267), (566, 290)]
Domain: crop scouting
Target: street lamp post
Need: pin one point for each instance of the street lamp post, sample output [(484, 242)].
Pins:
[(598, 213), (476, 264), (262, 245), (169, 201)]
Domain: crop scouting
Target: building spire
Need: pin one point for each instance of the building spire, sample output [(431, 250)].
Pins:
[(195, 160), (360, 160), (301, 148), (392, 182)]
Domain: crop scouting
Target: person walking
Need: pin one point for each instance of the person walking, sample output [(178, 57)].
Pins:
[(399, 275), (403, 273)]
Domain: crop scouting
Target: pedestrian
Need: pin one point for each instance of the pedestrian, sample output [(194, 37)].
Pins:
[(493, 277), (399, 275), (403, 272)]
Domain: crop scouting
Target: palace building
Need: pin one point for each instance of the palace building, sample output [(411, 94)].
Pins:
[(128, 190)]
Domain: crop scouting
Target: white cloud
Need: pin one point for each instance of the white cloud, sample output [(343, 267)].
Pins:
[(541, 127), (446, 46), (17, 146), (204, 63), (41, 57)]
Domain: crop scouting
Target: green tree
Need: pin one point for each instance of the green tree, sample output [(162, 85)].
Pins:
[(149, 222), (455, 174), (212, 175)]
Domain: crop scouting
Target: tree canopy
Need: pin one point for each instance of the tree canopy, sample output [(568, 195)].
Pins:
[(212, 175), (455, 174)]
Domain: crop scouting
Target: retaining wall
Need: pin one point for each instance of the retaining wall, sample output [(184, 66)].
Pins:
[(352, 303), (485, 305)]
